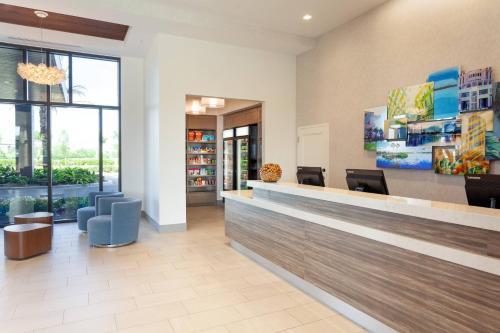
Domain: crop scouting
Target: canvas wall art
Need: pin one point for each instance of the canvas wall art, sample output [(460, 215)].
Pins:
[(374, 126), (496, 97), (434, 133), (474, 128), (445, 92), (395, 129), (447, 161), (476, 90), (492, 146), (413, 103), (396, 155)]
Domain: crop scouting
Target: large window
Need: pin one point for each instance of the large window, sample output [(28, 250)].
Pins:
[(57, 143)]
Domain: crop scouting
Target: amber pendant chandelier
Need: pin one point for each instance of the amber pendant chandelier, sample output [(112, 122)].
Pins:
[(41, 73)]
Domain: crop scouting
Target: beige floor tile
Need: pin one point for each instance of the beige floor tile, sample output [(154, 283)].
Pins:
[(269, 323), (149, 315), (46, 306), (175, 283), (54, 293), (205, 320), (158, 327), (343, 325), (261, 278), (310, 312), (128, 281), (261, 291), (265, 305), (32, 322), (300, 297), (34, 286), (205, 303), (94, 325), (153, 299), (220, 329), (221, 287), (335, 324), (119, 293), (98, 310), (22, 297)]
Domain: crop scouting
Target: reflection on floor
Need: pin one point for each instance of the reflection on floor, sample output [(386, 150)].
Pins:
[(177, 282)]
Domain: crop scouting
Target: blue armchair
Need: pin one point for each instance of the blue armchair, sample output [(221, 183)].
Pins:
[(85, 213), (116, 223)]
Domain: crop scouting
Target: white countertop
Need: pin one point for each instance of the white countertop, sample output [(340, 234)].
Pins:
[(478, 217)]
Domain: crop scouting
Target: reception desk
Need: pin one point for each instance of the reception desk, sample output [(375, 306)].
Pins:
[(391, 264)]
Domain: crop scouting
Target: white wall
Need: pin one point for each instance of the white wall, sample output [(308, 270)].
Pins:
[(132, 123), (195, 67), (151, 131)]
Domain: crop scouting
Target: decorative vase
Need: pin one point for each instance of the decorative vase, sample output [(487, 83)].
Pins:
[(270, 172)]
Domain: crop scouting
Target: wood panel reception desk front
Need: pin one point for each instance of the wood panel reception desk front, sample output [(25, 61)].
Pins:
[(388, 263)]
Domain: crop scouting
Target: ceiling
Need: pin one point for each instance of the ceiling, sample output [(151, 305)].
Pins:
[(231, 105), (274, 25)]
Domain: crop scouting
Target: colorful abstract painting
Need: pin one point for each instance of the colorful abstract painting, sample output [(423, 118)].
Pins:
[(434, 133), (492, 146), (396, 155), (413, 103), (374, 126), (447, 161), (445, 92), (476, 90), (493, 138), (395, 129), (474, 128)]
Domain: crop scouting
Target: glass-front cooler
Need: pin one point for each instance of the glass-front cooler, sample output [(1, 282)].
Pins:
[(241, 161), (242, 167), (228, 160)]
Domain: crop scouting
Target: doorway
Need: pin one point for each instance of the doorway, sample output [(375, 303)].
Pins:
[(223, 146), (313, 147)]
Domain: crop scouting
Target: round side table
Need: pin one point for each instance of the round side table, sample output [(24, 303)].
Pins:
[(37, 217)]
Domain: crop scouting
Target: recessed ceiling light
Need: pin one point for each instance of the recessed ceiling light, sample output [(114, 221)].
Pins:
[(307, 17)]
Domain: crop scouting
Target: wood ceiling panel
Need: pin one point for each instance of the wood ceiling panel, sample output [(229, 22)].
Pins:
[(61, 22)]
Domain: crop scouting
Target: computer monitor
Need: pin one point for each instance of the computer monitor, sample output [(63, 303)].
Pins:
[(483, 190), (372, 181), (310, 176)]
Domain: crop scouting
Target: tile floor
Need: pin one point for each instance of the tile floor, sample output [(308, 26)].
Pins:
[(168, 283)]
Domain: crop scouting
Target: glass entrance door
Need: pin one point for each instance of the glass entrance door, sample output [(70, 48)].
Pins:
[(75, 159), (242, 166)]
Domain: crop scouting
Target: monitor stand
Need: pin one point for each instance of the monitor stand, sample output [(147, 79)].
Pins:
[(493, 203), (360, 189)]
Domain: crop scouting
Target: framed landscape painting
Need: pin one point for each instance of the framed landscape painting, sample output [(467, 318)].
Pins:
[(396, 155), (374, 127), (435, 133), (395, 129)]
